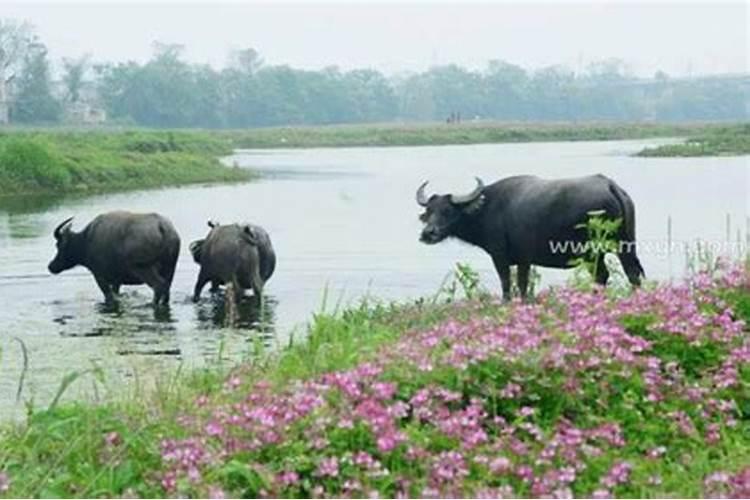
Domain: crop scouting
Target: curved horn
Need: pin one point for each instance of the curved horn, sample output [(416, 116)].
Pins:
[(59, 229), (421, 197), (471, 196)]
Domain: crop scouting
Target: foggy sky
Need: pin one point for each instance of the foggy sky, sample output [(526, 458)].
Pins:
[(679, 38)]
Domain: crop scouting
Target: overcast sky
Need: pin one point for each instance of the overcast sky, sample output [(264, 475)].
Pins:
[(680, 38)]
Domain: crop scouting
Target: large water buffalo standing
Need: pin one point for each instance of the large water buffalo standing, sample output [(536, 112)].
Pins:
[(121, 248), (236, 254), (525, 220)]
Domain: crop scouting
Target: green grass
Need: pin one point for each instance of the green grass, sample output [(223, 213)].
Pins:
[(431, 134), (723, 141), (49, 161)]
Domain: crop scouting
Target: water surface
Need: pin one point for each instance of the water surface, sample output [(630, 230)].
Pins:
[(344, 225)]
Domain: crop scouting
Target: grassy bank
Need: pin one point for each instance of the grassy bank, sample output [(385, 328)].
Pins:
[(723, 141), (438, 134), (645, 395), (80, 161), (50, 160)]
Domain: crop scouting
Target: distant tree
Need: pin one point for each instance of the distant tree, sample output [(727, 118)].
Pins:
[(551, 94), (416, 101), (73, 76), (167, 53), (371, 96), (608, 71), (505, 87), (34, 101), (14, 39), (247, 61)]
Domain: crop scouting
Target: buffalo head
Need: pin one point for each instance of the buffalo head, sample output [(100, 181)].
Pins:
[(444, 212), (67, 256)]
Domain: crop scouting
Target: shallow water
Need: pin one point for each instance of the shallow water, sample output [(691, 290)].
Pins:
[(344, 225)]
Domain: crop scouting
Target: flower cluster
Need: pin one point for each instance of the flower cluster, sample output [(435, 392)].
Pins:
[(543, 400)]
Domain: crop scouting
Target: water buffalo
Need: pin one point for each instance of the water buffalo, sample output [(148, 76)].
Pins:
[(237, 254), (121, 248), (525, 220)]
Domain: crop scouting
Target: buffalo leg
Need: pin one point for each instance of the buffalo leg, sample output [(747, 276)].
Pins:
[(106, 288), (167, 269), (632, 267), (202, 280), (158, 284), (257, 282), (523, 279), (503, 271)]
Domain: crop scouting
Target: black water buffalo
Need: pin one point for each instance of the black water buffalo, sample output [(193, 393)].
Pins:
[(237, 254), (525, 220), (121, 248)]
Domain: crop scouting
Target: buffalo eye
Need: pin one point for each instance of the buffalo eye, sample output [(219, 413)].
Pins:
[(423, 217)]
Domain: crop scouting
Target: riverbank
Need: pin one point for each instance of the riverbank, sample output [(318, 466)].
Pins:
[(36, 161), (432, 134), (582, 393), (722, 141), (51, 161)]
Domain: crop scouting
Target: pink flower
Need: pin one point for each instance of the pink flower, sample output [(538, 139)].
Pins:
[(656, 452), (214, 428), (618, 474), (4, 482), (328, 467), (112, 439), (215, 492), (287, 478), (500, 465), (384, 390)]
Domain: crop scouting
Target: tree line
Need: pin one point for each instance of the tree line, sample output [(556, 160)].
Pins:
[(168, 91)]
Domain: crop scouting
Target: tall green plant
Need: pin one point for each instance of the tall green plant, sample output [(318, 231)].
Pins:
[(600, 240)]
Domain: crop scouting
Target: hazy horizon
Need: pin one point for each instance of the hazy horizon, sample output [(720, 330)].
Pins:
[(680, 39)]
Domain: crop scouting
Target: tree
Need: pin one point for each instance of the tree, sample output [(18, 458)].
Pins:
[(14, 39), (505, 86), (73, 77), (247, 61), (34, 102)]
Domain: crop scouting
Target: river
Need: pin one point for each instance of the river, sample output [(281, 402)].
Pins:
[(344, 224)]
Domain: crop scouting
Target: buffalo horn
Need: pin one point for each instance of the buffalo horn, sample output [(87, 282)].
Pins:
[(421, 197), (59, 229), (467, 198)]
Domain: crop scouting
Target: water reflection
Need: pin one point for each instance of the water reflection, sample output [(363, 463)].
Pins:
[(30, 204), (24, 217), (251, 314)]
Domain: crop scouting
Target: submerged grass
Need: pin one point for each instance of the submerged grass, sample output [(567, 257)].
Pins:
[(584, 394), (49, 161), (722, 141)]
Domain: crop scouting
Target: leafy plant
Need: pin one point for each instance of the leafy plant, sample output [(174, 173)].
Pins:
[(600, 240)]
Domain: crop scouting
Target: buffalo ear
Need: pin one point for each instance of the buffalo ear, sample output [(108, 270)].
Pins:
[(213, 223), (474, 206), (196, 249)]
